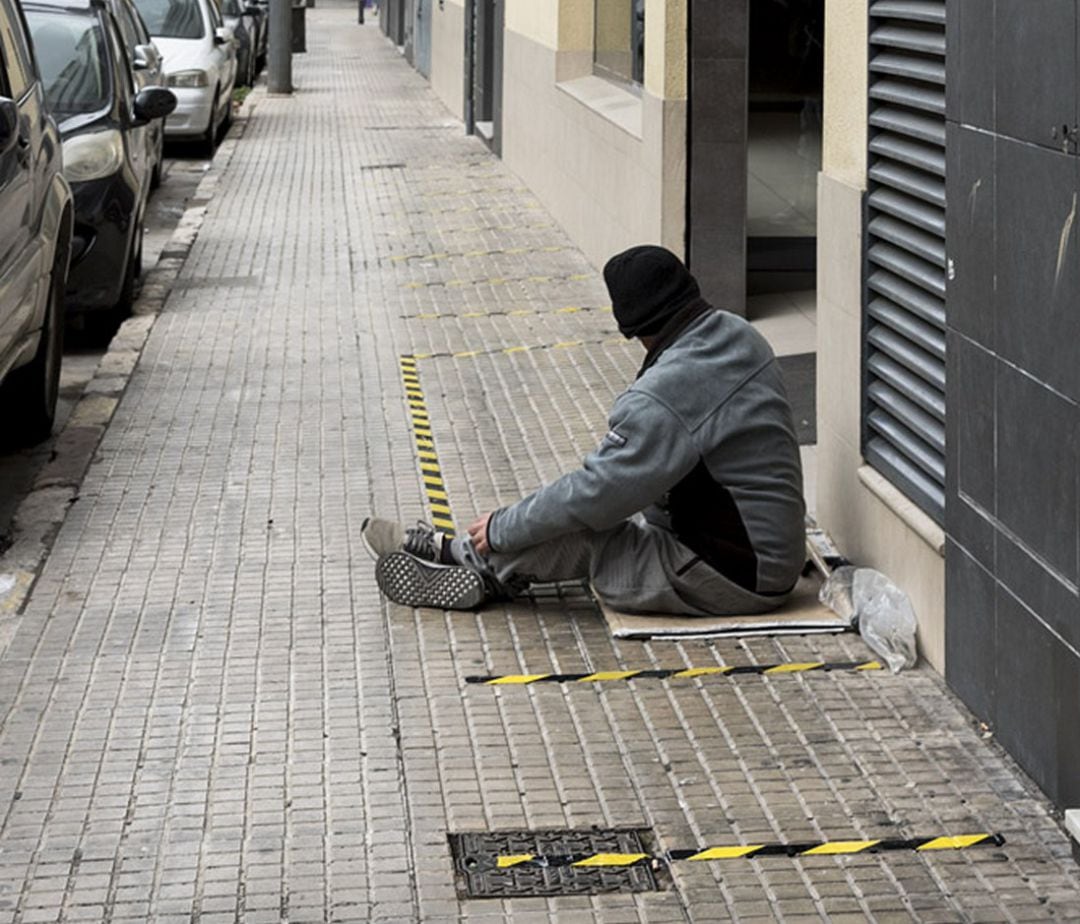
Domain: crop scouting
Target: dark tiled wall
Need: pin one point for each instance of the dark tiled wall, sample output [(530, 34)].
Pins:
[(716, 197), (1013, 468)]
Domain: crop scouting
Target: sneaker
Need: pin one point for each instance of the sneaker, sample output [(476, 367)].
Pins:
[(413, 581), (385, 536)]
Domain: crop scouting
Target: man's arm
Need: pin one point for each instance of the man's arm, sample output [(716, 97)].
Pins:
[(646, 451)]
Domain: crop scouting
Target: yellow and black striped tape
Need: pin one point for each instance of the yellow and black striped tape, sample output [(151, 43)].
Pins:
[(496, 281), (754, 851), (511, 313), (441, 517), (524, 348), (512, 251), (685, 673)]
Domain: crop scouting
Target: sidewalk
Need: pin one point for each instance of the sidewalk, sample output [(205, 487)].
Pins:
[(208, 714)]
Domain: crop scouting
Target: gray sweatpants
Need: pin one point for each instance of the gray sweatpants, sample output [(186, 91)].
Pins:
[(636, 566)]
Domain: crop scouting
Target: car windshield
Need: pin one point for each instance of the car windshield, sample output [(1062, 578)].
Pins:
[(70, 50), (172, 18), (231, 8)]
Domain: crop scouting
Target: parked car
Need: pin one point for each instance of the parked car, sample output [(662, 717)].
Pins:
[(36, 218), (246, 22), (103, 120), (146, 63), (200, 65)]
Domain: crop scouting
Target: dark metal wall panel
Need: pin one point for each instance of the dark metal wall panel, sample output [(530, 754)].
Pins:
[(1012, 490)]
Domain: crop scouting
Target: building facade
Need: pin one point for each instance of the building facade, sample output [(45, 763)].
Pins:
[(943, 138)]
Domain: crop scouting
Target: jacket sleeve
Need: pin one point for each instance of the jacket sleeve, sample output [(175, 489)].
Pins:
[(646, 451)]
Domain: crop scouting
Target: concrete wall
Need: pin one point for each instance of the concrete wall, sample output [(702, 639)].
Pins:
[(607, 163), (872, 522)]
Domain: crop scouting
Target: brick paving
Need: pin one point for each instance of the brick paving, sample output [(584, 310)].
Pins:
[(208, 714)]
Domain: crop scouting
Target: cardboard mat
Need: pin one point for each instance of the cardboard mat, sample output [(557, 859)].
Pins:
[(801, 615)]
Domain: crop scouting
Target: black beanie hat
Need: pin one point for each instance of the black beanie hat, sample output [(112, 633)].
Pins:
[(648, 285)]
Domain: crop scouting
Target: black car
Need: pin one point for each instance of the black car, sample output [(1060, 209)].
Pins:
[(89, 85), (35, 238)]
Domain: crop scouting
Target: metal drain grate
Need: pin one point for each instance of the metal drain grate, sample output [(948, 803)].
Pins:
[(478, 875)]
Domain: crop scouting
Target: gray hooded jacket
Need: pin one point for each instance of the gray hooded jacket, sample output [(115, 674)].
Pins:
[(702, 443)]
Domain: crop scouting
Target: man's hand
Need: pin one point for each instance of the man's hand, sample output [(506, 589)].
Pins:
[(479, 535)]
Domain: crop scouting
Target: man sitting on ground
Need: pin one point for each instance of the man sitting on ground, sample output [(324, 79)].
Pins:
[(692, 503)]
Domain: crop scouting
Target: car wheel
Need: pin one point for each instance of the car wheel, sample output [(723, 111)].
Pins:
[(227, 120), (155, 174), (208, 142), (33, 389), (132, 271)]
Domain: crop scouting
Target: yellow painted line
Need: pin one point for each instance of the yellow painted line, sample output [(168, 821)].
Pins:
[(611, 859), (513, 859), (437, 495), (953, 843), (838, 847), (726, 853), (869, 666)]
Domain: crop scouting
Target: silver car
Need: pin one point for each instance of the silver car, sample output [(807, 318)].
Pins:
[(200, 66)]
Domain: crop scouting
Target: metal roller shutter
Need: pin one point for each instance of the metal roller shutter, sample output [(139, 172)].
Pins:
[(904, 308)]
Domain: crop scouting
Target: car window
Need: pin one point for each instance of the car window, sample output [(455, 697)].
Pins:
[(215, 14), (126, 23), (72, 59), (230, 7), (20, 66), (172, 18), (141, 32), (122, 57)]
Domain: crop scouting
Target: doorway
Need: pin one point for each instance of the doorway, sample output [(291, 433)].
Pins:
[(422, 37), (483, 70)]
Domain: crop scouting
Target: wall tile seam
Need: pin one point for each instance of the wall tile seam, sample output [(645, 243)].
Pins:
[(1008, 363), (1065, 643), (1002, 528)]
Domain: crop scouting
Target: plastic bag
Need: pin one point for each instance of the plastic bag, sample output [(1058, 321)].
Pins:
[(881, 611)]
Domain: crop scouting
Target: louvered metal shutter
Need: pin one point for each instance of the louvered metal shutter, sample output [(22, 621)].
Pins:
[(904, 350)]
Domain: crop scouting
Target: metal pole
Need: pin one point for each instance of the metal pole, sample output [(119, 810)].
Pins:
[(279, 71), (361, 12)]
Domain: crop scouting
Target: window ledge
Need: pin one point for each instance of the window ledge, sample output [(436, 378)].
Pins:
[(917, 521), (608, 100)]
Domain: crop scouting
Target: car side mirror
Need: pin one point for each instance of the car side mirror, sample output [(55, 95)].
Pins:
[(146, 58), (9, 125), (252, 10), (153, 103), (223, 36)]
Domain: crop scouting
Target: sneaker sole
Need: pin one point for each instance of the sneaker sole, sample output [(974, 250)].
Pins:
[(411, 581)]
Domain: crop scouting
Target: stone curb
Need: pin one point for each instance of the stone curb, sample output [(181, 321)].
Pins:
[(38, 519)]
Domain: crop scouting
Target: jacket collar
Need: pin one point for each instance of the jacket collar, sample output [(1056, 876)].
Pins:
[(671, 331)]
